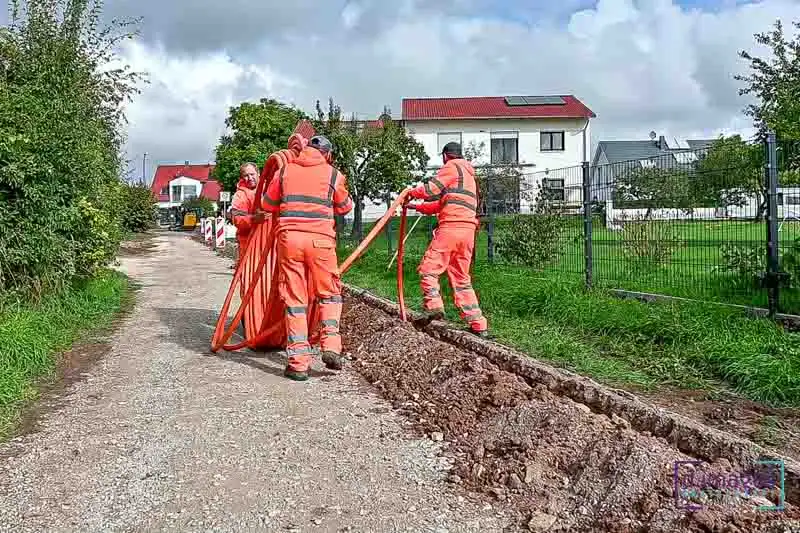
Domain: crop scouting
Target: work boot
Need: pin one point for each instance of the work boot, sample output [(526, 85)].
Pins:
[(332, 360), (296, 375), (428, 316), (482, 334)]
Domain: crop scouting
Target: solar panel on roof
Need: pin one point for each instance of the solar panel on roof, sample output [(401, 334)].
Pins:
[(544, 100), (516, 100)]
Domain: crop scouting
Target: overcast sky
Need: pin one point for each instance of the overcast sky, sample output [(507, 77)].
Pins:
[(641, 65)]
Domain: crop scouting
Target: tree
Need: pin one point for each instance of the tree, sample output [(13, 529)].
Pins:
[(775, 82), (731, 172), (258, 130), (379, 159), (653, 187), (500, 183), (61, 115)]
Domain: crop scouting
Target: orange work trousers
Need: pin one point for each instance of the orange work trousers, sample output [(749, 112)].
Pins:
[(304, 257), (451, 252)]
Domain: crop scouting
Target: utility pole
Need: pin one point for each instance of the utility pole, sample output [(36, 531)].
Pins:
[(144, 162)]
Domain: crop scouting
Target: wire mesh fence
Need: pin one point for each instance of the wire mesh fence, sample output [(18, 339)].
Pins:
[(719, 223)]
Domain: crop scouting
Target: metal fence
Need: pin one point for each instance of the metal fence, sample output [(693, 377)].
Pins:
[(719, 224)]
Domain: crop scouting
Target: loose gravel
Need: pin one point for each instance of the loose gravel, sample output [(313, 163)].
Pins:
[(162, 435)]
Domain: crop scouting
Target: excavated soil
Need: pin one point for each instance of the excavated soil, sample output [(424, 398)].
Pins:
[(555, 463)]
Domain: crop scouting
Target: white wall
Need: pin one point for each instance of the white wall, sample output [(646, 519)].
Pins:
[(178, 200), (529, 130)]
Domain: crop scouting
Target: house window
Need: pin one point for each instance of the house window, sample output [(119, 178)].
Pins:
[(449, 137), (504, 147), (553, 189), (792, 199), (189, 192), (165, 191), (176, 193), (552, 141)]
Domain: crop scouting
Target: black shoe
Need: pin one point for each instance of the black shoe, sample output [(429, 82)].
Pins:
[(333, 360), (296, 375), (429, 316)]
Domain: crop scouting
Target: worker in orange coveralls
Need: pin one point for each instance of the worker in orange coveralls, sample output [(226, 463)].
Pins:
[(242, 204), (307, 193), (453, 194)]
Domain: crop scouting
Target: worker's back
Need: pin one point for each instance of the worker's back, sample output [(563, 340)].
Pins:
[(307, 191)]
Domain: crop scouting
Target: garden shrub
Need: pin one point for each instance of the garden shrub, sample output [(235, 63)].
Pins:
[(140, 208), (650, 242), (532, 240)]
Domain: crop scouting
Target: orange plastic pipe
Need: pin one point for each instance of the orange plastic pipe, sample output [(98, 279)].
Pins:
[(256, 276), (400, 252)]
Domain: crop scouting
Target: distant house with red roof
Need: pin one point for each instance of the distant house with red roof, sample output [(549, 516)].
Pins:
[(174, 184)]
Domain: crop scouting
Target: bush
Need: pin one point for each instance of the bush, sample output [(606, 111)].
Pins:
[(203, 204), (744, 262), (532, 240), (140, 208), (650, 242), (60, 140)]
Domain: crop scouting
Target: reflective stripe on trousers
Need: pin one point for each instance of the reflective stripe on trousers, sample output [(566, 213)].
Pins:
[(308, 269)]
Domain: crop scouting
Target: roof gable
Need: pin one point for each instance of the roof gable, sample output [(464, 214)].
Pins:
[(488, 107), (202, 173)]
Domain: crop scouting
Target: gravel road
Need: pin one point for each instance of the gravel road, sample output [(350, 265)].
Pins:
[(163, 435)]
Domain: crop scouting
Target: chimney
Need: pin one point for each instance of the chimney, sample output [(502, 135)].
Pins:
[(662, 143)]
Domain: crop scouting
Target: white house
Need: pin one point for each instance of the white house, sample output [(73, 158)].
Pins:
[(543, 133), (174, 184)]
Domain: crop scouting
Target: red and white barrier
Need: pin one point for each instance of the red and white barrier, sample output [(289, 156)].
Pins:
[(220, 233), (209, 235)]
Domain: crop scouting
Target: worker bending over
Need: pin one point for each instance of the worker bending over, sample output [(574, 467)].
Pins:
[(307, 193), (242, 205), (453, 194)]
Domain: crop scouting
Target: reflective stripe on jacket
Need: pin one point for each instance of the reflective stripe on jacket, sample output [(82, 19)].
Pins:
[(455, 187), (307, 193)]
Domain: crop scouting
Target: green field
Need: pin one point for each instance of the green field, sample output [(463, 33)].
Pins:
[(550, 315)]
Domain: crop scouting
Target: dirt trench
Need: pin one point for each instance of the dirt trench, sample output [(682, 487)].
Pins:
[(552, 461)]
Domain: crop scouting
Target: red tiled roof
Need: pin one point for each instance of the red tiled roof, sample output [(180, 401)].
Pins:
[(202, 173), (304, 128), (489, 107)]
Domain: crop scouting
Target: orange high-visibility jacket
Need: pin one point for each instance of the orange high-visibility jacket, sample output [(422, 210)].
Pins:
[(307, 193), (240, 208), (455, 189)]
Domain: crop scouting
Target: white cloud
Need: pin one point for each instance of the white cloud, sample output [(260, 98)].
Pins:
[(640, 66), (181, 112)]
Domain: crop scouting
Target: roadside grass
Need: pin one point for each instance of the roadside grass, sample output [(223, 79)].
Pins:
[(622, 343), (32, 335)]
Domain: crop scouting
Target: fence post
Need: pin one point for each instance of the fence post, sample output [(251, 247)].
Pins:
[(773, 264), (490, 212), (587, 224)]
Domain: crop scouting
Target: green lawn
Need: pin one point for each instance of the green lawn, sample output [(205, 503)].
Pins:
[(625, 343), (692, 269), (32, 335)]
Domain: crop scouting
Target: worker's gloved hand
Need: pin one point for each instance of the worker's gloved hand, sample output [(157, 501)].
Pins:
[(258, 217)]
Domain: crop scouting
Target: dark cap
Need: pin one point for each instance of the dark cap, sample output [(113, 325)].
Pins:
[(452, 148), (321, 143)]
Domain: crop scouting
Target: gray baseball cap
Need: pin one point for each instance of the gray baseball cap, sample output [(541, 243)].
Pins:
[(321, 143)]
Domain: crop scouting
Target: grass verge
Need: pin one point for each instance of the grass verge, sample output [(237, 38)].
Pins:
[(619, 342), (31, 336)]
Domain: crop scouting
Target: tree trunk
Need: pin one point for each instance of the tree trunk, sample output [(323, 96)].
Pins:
[(358, 213)]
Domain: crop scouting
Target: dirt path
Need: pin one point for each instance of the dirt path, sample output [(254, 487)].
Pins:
[(162, 435)]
